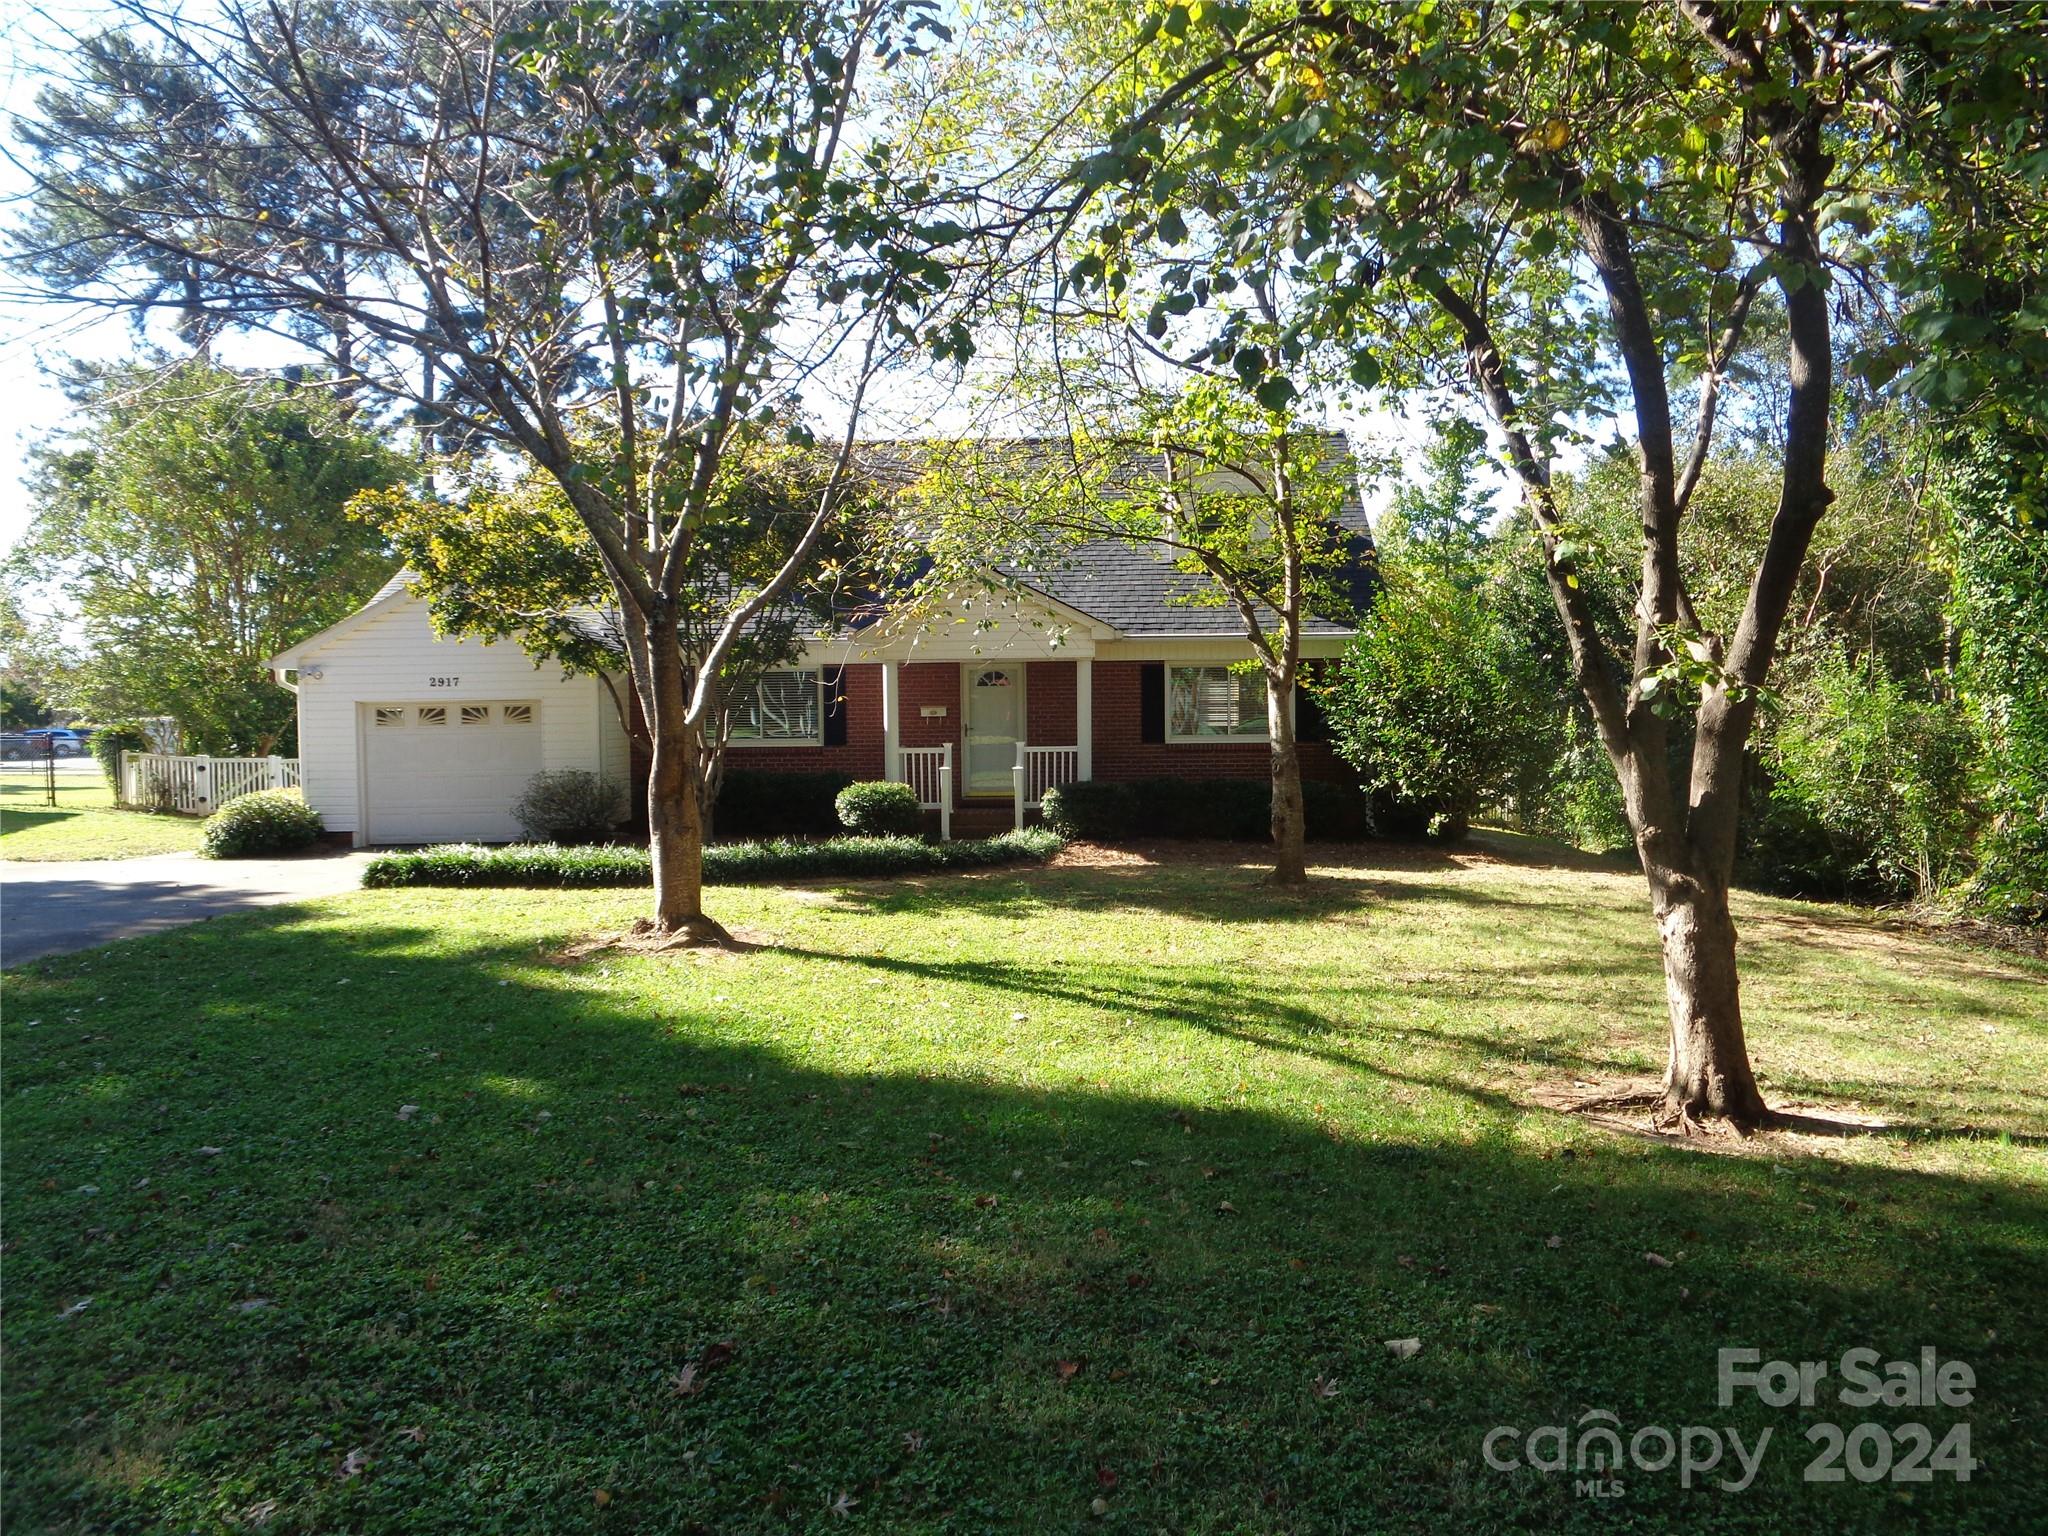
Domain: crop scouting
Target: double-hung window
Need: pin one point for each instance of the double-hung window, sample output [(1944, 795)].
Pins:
[(782, 708), (1212, 703)]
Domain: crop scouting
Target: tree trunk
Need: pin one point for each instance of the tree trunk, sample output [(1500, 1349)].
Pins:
[(1290, 864), (675, 828), (1707, 1074)]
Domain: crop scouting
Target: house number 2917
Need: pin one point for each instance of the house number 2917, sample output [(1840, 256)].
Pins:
[(444, 682)]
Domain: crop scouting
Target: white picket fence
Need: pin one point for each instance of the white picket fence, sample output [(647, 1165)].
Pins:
[(198, 784)]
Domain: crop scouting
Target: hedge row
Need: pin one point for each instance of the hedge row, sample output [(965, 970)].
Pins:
[(752, 804), (1240, 810), (546, 864)]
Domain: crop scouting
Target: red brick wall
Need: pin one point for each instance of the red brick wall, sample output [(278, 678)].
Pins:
[(1049, 708), (1049, 704), (1120, 754), (934, 683)]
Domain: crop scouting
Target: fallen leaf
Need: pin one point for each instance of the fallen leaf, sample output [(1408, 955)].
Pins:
[(1067, 1369), (260, 1513), (354, 1464), (1657, 1259), (1404, 1349), (913, 1440), (1106, 1476), (1225, 1208), (76, 1307), (685, 1383), (986, 1202), (208, 1152), (1406, 1261), (1098, 1506), (718, 1355), (1553, 1241), (842, 1506), (1325, 1387), (407, 1111), (255, 1304), (602, 1497), (416, 1433)]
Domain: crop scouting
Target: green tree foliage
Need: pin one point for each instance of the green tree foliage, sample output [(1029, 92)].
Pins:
[(194, 520), (1996, 474), (1875, 774), (1435, 704)]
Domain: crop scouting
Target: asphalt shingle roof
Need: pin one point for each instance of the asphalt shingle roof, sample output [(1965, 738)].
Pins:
[(1137, 590)]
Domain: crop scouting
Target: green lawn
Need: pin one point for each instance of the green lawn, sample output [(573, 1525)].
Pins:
[(84, 823), (965, 1202)]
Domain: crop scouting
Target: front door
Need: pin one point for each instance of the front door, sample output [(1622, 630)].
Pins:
[(995, 724)]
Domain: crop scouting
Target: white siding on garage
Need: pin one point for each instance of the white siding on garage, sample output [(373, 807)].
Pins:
[(396, 658)]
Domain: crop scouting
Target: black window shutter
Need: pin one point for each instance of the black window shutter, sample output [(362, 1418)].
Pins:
[(1152, 701), (1310, 723), (835, 706)]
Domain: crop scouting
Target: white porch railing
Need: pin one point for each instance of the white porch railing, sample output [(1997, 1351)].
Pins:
[(929, 771), (196, 785), (1039, 769)]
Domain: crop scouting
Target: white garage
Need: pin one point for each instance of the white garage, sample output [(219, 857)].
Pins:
[(407, 736), (436, 773)]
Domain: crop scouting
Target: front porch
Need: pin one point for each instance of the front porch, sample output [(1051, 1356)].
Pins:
[(987, 737)]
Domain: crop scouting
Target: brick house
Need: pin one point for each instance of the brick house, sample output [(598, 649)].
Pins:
[(1100, 669)]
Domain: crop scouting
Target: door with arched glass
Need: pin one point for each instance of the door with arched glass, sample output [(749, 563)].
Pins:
[(994, 726)]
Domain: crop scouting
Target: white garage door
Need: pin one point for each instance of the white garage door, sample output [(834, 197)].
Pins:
[(448, 773)]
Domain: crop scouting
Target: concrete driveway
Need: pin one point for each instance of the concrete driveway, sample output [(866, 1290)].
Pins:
[(52, 909)]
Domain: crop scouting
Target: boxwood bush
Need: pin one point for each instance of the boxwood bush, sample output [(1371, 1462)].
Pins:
[(853, 858), (267, 821), (1094, 809), (1239, 810), (755, 804), (880, 808)]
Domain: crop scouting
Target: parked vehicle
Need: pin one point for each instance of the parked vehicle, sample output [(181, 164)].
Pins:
[(62, 740), (17, 746)]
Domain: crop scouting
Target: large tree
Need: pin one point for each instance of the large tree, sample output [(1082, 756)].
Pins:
[(1553, 211), (195, 521), (1241, 501), (610, 238), (506, 558)]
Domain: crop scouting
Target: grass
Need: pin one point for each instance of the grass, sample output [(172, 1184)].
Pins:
[(969, 1201), (84, 824)]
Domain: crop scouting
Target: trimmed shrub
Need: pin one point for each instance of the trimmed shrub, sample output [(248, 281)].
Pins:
[(1238, 810), (1335, 813), (853, 858), (267, 821), (754, 805), (880, 808), (568, 805), (1093, 809)]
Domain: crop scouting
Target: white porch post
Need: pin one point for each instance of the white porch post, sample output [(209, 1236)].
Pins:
[(892, 729), (946, 793), (1084, 718), (1017, 785)]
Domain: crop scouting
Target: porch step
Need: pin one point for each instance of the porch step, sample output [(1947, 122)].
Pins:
[(983, 820)]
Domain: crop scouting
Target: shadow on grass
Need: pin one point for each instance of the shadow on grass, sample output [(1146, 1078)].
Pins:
[(494, 1225)]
